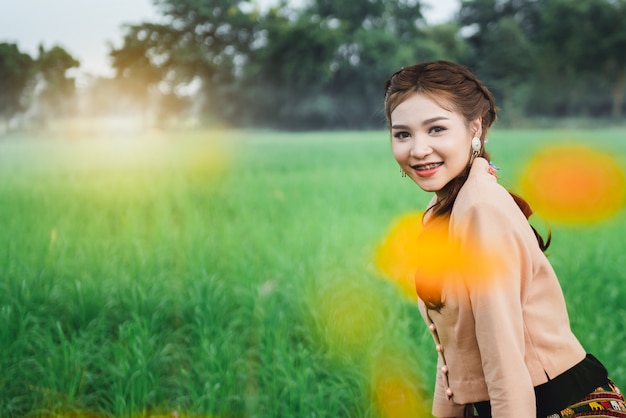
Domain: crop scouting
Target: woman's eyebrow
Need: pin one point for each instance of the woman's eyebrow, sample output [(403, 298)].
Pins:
[(435, 119), (424, 123)]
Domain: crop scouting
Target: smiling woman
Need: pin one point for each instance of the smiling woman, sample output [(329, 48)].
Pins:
[(438, 114), (425, 141)]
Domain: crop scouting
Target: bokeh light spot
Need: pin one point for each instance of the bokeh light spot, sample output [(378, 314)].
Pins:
[(396, 390), (395, 256), (469, 263), (413, 257), (205, 160), (574, 184), (350, 316)]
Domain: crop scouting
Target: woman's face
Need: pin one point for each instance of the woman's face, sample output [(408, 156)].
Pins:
[(431, 144)]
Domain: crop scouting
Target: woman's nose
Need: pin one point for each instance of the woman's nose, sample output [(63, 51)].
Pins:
[(420, 149)]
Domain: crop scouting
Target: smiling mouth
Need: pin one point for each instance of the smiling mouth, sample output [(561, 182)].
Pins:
[(426, 167)]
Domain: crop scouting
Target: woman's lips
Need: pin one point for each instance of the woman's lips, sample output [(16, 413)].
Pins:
[(426, 170)]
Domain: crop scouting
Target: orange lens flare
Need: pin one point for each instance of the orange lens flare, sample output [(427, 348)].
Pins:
[(574, 184), (395, 256), (414, 258), (470, 264)]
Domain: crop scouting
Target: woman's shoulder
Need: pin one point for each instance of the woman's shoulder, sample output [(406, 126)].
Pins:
[(485, 208), (482, 190), (484, 204)]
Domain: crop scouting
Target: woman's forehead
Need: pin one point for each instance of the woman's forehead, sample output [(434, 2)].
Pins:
[(422, 104)]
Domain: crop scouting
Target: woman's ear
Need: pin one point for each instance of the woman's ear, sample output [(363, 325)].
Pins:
[(476, 127)]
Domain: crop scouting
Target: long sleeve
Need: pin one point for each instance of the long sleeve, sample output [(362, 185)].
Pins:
[(495, 237)]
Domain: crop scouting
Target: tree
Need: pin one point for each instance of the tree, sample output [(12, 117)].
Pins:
[(16, 75), (283, 84), (203, 41), (506, 62), (57, 86), (501, 35), (376, 38), (319, 65), (136, 70), (587, 36), (448, 43), (400, 17)]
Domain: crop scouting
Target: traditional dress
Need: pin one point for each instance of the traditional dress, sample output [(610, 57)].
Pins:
[(503, 339)]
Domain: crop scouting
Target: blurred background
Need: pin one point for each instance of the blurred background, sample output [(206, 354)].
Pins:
[(299, 65)]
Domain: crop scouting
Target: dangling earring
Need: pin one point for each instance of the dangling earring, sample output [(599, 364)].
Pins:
[(476, 146), (403, 173)]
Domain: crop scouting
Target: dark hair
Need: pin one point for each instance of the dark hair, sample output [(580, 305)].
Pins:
[(454, 88)]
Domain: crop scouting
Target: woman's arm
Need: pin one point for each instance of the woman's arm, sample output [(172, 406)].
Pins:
[(493, 234)]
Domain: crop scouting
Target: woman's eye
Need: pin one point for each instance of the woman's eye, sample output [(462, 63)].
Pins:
[(436, 129), (401, 135)]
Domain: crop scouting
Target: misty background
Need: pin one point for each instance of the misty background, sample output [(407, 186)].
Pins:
[(319, 64)]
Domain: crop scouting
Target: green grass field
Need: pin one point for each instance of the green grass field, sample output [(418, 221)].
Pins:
[(230, 274)]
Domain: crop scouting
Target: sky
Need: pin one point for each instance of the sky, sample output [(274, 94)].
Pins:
[(85, 28)]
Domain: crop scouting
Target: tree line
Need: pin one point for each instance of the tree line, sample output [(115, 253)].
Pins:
[(41, 85), (322, 65)]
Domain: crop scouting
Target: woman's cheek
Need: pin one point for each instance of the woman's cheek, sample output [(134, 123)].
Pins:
[(400, 151)]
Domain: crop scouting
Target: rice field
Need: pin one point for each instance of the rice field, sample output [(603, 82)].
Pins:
[(229, 274)]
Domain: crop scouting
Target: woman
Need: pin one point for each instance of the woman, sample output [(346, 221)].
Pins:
[(504, 343)]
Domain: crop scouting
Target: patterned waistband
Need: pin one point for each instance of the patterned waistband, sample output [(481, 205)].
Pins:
[(605, 401)]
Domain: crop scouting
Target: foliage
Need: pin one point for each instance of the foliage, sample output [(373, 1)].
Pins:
[(44, 79), (320, 65), (587, 37), (16, 75), (554, 57), (58, 88), (203, 41), (133, 64)]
